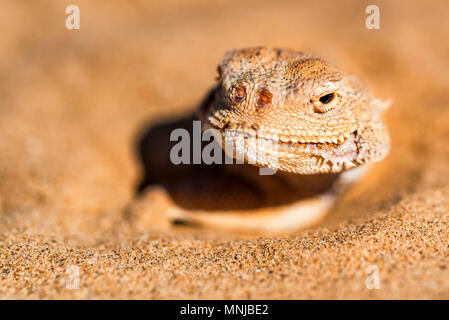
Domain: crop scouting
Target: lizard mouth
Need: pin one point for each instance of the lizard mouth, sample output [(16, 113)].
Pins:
[(301, 138), (306, 155)]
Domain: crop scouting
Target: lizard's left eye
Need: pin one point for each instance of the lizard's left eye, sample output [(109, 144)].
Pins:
[(327, 98), (326, 102)]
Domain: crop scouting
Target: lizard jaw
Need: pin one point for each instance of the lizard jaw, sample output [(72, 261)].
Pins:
[(301, 136), (309, 157), (317, 157)]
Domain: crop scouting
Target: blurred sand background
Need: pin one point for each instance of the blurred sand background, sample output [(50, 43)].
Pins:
[(73, 102)]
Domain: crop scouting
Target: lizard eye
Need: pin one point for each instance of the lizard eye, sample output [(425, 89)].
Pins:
[(326, 102), (327, 98)]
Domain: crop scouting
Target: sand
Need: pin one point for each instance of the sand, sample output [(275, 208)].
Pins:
[(73, 102)]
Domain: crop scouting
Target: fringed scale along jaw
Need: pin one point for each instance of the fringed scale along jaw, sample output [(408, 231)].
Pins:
[(294, 112)]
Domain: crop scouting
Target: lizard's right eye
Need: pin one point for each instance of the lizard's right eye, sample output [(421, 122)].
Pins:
[(238, 94)]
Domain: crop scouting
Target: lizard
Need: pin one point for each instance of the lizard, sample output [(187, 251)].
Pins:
[(292, 112)]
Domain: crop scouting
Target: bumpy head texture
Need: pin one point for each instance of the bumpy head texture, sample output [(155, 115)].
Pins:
[(294, 112)]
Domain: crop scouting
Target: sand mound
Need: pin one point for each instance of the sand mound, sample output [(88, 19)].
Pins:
[(73, 103)]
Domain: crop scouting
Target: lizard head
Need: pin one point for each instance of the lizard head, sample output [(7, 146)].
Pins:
[(294, 112)]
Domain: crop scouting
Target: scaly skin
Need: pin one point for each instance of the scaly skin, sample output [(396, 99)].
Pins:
[(287, 111), (274, 95)]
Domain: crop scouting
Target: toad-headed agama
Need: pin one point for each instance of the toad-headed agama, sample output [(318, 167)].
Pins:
[(293, 112)]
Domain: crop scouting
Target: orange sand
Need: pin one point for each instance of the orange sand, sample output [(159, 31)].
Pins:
[(73, 102)]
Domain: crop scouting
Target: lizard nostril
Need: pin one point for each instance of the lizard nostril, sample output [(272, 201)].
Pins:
[(264, 98), (238, 94)]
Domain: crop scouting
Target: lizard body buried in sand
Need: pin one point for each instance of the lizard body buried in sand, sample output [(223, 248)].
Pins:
[(287, 111)]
